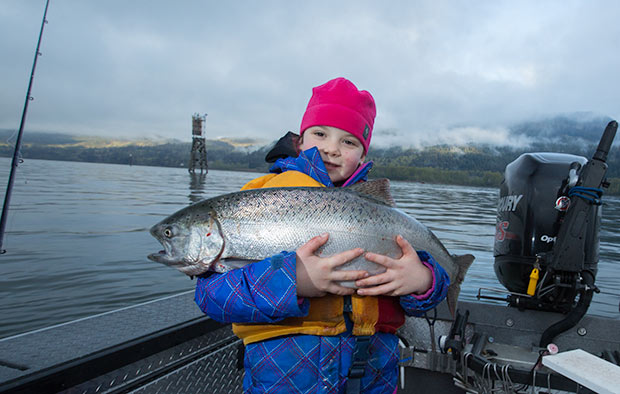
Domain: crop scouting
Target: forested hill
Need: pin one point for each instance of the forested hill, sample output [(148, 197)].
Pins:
[(476, 165)]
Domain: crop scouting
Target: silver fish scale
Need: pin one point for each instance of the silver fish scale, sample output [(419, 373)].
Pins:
[(260, 223)]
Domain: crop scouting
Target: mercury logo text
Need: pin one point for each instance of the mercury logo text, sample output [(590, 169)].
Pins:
[(509, 203)]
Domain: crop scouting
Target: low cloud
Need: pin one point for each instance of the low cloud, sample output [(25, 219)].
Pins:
[(439, 72), (459, 136)]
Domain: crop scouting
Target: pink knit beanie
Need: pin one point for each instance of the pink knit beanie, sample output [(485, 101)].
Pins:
[(338, 103)]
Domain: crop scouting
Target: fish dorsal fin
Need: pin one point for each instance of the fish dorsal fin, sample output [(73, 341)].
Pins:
[(377, 189)]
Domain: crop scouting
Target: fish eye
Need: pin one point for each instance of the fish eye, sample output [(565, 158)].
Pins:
[(168, 232)]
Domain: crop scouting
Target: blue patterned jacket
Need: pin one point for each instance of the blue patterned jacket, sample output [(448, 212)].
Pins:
[(265, 292)]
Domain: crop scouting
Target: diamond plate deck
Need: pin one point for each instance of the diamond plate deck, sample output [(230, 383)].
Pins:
[(112, 352)]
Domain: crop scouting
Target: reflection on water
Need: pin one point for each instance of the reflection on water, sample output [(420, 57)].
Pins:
[(77, 236), (197, 182)]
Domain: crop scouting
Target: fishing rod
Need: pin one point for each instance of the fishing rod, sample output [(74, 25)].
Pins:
[(18, 142)]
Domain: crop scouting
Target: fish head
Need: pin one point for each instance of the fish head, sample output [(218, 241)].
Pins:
[(191, 246)]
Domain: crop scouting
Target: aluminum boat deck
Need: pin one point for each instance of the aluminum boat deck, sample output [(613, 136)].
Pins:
[(168, 345)]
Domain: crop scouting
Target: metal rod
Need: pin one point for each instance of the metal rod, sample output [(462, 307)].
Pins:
[(15, 162)]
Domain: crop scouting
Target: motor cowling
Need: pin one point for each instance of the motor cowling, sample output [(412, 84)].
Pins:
[(556, 242), (532, 204)]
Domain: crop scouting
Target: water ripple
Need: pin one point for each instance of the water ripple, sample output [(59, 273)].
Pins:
[(77, 236)]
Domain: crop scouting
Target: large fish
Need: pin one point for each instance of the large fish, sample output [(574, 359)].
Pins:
[(231, 230)]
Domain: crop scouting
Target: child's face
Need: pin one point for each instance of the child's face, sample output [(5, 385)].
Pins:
[(341, 152)]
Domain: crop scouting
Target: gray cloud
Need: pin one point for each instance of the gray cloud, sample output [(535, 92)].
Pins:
[(437, 70)]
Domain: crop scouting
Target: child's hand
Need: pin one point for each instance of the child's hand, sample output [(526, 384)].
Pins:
[(317, 276), (403, 276)]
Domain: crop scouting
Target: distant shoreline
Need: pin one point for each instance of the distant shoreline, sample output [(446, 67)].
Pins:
[(430, 175), (480, 165)]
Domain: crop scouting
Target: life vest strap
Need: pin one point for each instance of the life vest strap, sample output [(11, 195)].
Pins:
[(358, 365)]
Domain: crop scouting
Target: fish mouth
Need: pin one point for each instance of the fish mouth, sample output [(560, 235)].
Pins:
[(163, 257), (166, 256), (170, 255), (186, 267)]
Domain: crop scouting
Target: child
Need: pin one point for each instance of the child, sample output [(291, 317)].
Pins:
[(303, 331)]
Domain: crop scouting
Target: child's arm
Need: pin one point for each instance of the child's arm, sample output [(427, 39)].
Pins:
[(260, 292), (416, 305), (420, 281)]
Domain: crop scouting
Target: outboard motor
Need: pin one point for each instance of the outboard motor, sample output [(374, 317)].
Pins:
[(533, 201), (547, 231)]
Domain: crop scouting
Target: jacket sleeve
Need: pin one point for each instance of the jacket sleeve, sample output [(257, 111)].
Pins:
[(416, 305), (260, 292)]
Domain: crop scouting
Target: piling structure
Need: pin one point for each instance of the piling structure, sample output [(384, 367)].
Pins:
[(198, 156)]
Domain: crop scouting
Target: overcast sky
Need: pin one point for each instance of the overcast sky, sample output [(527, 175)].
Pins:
[(440, 71)]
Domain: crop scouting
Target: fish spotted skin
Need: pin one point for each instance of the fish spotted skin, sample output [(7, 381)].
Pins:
[(228, 231)]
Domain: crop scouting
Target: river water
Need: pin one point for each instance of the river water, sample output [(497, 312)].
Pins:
[(77, 237)]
